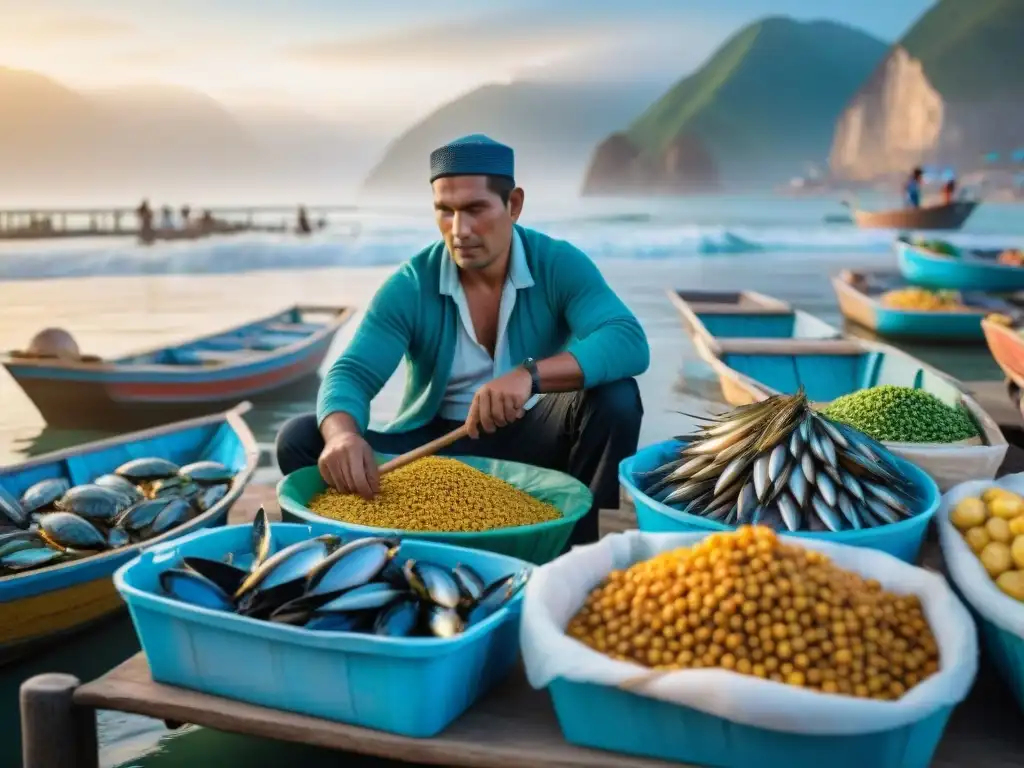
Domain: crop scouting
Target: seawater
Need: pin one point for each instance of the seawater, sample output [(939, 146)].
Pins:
[(116, 296)]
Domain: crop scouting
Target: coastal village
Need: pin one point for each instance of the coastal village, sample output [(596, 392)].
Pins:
[(721, 464)]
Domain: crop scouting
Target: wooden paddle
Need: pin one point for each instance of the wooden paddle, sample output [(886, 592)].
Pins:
[(424, 450)]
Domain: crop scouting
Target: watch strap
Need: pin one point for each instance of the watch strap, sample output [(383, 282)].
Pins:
[(531, 367)]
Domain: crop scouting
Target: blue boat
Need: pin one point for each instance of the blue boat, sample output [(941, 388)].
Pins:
[(859, 296), (967, 271), (205, 375), (43, 605)]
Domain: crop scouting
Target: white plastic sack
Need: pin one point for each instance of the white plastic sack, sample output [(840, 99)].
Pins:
[(557, 590), (950, 465), (966, 570)]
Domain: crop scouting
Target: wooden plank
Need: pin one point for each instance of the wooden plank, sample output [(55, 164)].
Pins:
[(791, 346), (512, 726)]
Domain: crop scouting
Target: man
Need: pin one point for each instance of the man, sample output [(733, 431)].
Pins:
[(912, 189), (509, 331)]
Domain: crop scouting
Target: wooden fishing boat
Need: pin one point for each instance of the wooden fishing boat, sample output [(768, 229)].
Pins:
[(932, 217), (40, 606), (750, 368), (859, 296), (1007, 347), (968, 271), (202, 376)]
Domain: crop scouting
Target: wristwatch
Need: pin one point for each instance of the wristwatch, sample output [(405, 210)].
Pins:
[(531, 366)]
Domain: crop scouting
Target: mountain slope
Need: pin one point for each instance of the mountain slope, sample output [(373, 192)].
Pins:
[(949, 91), (760, 108), (551, 126)]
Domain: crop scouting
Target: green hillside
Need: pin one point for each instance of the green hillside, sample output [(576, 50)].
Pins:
[(972, 50), (766, 102)]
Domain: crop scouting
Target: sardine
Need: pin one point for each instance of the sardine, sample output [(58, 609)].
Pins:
[(849, 511), (826, 488), (761, 482), (688, 490), (732, 471), (830, 430), (783, 479), (796, 444), (889, 498), (826, 514), (799, 487), (777, 461), (807, 465), (882, 510), (715, 445), (852, 486), (746, 503), (790, 511)]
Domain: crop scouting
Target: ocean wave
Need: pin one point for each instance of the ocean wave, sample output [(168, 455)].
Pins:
[(378, 244)]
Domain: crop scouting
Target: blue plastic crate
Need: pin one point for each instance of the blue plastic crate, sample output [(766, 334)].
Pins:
[(902, 539), (410, 686), (611, 719)]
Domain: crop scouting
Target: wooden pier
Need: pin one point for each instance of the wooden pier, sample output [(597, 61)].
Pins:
[(61, 223)]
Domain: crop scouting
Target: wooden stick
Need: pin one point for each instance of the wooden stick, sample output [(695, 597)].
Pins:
[(55, 733), (424, 450)]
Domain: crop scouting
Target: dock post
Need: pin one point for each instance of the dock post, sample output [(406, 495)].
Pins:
[(54, 732)]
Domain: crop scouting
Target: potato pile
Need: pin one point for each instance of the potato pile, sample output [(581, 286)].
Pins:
[(993, 527), (748, 602), (437, 494)]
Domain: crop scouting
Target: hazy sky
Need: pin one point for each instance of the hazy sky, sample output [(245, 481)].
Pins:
[(384, 58)]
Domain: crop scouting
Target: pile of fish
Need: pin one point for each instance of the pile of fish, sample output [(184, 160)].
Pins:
[(327, 584), (53, 522), (780, 463)]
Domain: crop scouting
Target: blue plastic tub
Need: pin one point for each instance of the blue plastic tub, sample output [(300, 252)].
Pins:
[(413, 687), (611, 719), (902, 539)]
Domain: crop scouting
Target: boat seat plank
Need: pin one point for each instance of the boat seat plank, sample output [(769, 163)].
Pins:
[(700, 308), (304, 329), (512, 726), (832, 347)]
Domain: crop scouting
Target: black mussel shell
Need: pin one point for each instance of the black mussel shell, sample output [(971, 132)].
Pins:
[(496, 595), (207, 497), (301, 609), (354, 621), (174, 514), (147, 470), (351, 565), (367, 597), (117, 537), (11, 509), (470, 584), (207, 472), (261, 603), (290, 564), (93, 502), (26, 559), (262, 540), (194, 589), (65, 530), (43, 494), (171, 486), (433, 583), (400, 619), (227, 577), (141, 515), (444, 622), (120, 485), (16, 541), (393, 574)]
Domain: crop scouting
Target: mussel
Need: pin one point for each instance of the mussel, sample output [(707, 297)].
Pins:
[(444, 622), (432, 583), (470, 584), (226, 576), (262, 539), (290, 564), (209, 496), (351, 565), (43, 494), (147, 470), (141, 515), (11, 510), (192, 588), (94, 502), (119, 484), (64, 530), (25, 559), (399, 619), (176, 512), (207, 472), (368, 597)]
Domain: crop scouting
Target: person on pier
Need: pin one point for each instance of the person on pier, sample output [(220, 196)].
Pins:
[(504, 329), (145, 214), (912, 189)]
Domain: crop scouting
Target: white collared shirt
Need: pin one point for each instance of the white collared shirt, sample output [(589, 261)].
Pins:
[(472, 365)]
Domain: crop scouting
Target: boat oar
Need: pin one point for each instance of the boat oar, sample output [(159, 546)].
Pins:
[(429, 449)]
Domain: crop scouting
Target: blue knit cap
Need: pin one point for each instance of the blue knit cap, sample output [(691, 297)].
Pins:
[(475, 155)]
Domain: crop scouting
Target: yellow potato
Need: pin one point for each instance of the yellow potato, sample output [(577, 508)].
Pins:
[(1017, 551), (969, 513), (999, 530), (993, 493), (1017, 525), (1012, 583), (1006, 507), (977, 538), (996, 558)]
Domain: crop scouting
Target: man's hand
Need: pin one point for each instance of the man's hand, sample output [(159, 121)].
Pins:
[(499, 402), (347, 463)]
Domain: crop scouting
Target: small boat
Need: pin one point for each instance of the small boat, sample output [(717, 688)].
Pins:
[(750, 368), (932, 217), (966, 271), (1007, 347), (202, 376), (859, 296), (43, 605)]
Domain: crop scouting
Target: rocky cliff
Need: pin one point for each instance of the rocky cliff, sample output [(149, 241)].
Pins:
[(948, 92)]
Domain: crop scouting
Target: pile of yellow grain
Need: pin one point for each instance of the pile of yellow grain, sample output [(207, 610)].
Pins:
[(437, 494)]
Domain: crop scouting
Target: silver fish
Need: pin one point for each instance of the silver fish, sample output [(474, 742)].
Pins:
[(849, 511), (746, 503), (807, 465), (881, 510), (776, 461), (761, 481), (716, 445), (799, 487), (831, 431), (827, 489), (826, 514), (852, 486), (888, 497), (783, 479), (790, 511), (805, 431), (796, 444), (732, 471), (827, 446), (688, 490)]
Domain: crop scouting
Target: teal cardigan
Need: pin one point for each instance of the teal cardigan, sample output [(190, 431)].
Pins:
[(570, 308)]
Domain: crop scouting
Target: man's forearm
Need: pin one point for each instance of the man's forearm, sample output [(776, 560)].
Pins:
[(338, 423), (560, 373)]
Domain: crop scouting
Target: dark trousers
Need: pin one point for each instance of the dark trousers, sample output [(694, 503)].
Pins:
[(584, 434)]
